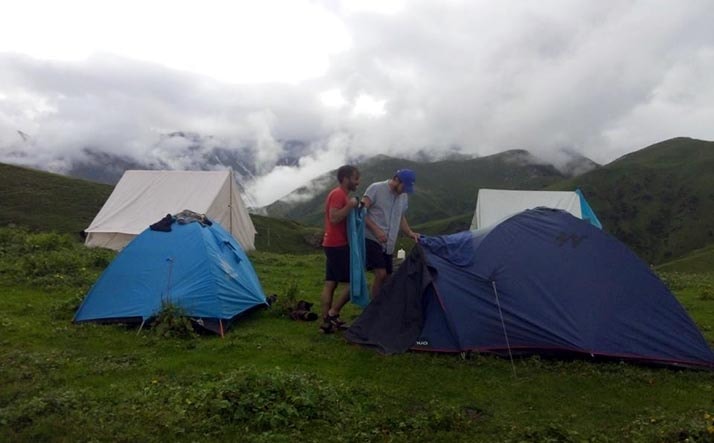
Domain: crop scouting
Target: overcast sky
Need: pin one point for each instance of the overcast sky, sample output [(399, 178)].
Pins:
[(350, 78)]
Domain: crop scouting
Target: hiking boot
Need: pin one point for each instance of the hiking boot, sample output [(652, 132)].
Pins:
[(336, 323)]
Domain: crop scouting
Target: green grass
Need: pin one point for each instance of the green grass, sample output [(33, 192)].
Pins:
[(697, 261), (285, 236), (48, 202), (273, 379)]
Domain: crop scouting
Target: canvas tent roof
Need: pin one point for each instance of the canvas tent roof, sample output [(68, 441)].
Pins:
[(495, 205), (143, 197)]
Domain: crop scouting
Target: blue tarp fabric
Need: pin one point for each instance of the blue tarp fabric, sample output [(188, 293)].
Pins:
[(359, 291), (587, 212)]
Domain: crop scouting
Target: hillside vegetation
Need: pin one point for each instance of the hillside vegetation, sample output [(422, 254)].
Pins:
[(697, 261), (48, 202), (443, 189), (275, 379), (43, 201), (659, 200)]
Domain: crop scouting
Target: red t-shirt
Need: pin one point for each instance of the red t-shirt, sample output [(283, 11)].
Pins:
[(335, 234)]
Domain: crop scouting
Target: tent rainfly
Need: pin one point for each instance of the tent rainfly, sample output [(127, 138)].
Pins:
[(541, 282), (197, 267), (144, 197), (495, 205)]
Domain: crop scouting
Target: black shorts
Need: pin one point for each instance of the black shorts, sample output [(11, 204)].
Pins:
[(376, 257), (337, 263)]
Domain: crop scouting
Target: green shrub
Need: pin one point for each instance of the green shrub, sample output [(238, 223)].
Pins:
[(49, 260), (27, 412), (274, 400), (287, 302), (171, 322)]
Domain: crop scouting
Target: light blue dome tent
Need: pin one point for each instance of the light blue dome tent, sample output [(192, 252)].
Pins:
[(198, 267)]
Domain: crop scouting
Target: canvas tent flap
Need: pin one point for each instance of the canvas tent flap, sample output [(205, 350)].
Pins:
[(143, 197), (495, 205)]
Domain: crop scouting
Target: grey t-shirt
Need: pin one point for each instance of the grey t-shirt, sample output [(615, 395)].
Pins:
[(386, 211)]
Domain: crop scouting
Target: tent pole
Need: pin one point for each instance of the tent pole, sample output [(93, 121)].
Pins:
[(503, 324), (141, 326), (220, 324)]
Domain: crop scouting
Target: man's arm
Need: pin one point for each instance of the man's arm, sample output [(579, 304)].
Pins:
[(404, 225), (339, 214), (371, 225)]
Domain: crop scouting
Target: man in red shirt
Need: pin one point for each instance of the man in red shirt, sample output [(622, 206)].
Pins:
[(335, 244)]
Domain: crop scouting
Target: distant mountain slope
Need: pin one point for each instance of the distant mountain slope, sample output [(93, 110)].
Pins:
[(659, 200), (443, 189), (49, 202), (43, 201)]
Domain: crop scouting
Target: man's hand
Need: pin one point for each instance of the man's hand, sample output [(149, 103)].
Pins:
[(381, 236), (414, 236), (353, 202)]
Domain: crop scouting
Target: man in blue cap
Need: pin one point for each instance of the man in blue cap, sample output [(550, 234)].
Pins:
[(386, 202)]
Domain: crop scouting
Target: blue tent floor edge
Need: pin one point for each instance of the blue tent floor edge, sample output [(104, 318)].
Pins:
[(213, 325)]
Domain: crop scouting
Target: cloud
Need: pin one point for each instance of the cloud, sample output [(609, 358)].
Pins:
[(394, 78)]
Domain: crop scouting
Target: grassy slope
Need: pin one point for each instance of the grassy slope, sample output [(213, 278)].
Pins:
[(43, 201), (697, 261), (285, 236), (68, 382), (658, 200)]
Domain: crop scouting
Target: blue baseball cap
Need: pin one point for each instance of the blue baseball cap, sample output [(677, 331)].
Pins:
[(408, 177)]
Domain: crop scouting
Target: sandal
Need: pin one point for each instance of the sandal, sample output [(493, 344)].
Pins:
[(336, 323), (326, 327)]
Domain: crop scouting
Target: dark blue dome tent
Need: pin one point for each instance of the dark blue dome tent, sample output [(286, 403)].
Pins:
[(541, 282), (198, 267)]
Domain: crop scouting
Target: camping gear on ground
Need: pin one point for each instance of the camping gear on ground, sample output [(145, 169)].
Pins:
[(401, 254), (302, 311), (198, 267), (143, 197), (541, 282), (495, 205)]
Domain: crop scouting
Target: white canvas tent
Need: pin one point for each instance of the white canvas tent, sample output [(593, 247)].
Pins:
[(495, 205), (144, 197)]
